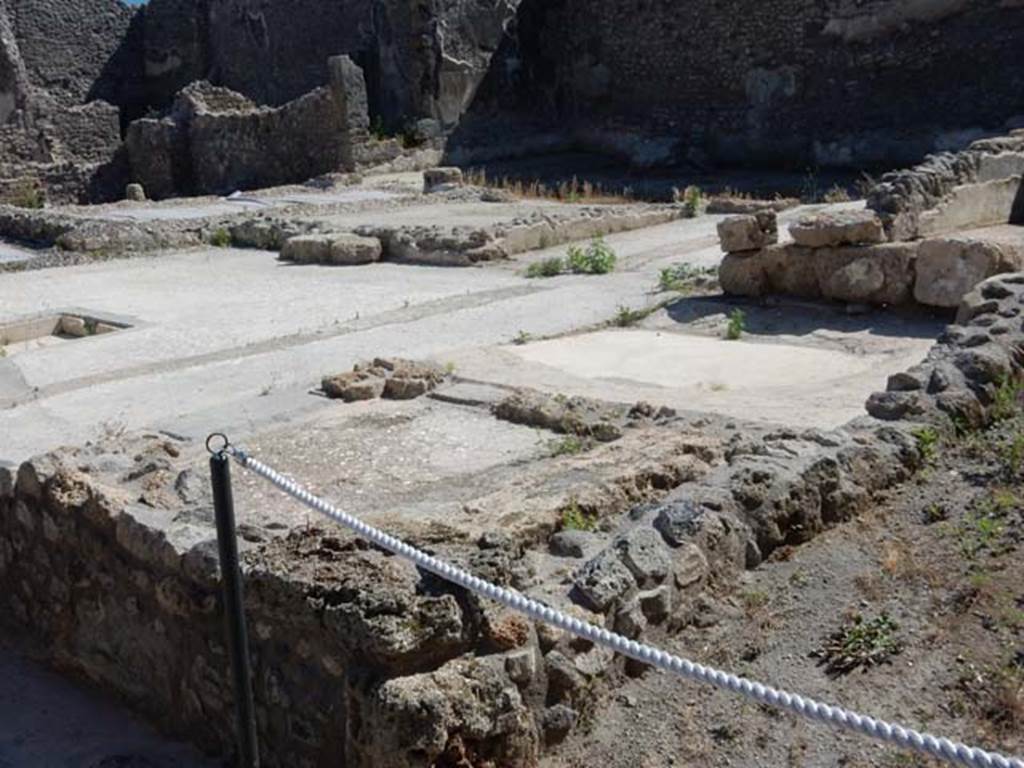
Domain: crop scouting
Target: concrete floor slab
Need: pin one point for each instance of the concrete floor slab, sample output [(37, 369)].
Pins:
[(12, 254), (230, 338)]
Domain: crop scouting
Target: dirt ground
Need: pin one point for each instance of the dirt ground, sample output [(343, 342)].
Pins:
[(936, 568)]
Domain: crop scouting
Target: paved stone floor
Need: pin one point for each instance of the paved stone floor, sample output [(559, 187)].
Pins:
[(224, 338)]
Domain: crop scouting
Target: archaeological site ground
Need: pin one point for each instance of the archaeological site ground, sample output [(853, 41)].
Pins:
[(700, 323)]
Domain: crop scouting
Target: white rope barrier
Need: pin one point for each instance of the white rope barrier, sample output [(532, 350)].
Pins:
[(837, 717)]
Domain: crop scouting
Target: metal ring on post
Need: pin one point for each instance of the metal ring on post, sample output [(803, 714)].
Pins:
[(225, 448)]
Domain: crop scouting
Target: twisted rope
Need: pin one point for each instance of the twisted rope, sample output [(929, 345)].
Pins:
[(835, 716)]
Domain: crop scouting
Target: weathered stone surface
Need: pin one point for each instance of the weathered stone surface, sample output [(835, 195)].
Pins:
[(838, 228), (644, 553), (463, 708), (557, 721), (336, 249), (741, 274), (566, 415), (353, 386), (971, 188), (748, 233), (135, 193), (877, 274), (576, 544), (743, 205), (679, 521), (603, 580), (949, 268), (441, 179)]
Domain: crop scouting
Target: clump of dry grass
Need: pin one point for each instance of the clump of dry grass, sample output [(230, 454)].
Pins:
[(572, 191)]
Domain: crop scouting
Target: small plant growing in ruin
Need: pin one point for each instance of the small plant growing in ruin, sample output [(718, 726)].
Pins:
[(681, 277), (836, 194), (692, 199), (221, 238), (927, 439), (575, 519), (521, 338), (597, 259), (626, 317), (27, 194), (810, 191), (859, 643), (547, 268), (1008, 399), (449, 368), (737, 325), (567, 446)]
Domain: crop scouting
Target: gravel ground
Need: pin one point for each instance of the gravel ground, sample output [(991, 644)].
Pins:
[(936, 567)]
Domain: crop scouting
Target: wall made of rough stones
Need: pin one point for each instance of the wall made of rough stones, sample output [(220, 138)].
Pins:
[(217, 140), (911, 201), (789, 82), (423, 60), (353, 651)]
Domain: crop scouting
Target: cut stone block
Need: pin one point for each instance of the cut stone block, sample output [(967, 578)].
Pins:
[(838, 228), (339, 249), (873, 274), (748, 233), (949, 268), (440, 179)]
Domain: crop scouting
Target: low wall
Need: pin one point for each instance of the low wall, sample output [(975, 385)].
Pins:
[(976, 187), (354, 652)]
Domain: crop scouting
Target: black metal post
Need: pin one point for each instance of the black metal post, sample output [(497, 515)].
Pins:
[(234, 609)]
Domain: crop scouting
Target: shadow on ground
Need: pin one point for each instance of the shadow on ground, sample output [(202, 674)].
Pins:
[(793, 317)]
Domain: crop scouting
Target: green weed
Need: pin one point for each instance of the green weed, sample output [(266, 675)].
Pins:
[(680, 277), (737, 325), (567, 446), (220, 238), (597, 259), (692, 200), (547, 268), (626, 317), (859, 643), (575, 519), (927, 439)]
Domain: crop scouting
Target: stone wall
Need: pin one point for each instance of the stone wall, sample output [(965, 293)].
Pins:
[(356, 654), (930, 234), (421, 60), (64, 69), (217, 140), (975, 187), (789, 82)]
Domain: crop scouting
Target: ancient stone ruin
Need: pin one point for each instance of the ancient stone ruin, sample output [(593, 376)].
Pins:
[(929, 234), (701, 323)]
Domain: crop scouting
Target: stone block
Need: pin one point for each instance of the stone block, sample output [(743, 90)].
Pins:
[(838, 228), (874, 274), (743, 274), (353, 386), (748, 233), (135, 192), (949, 268), (604, 580), (336, 249), (440, 179), (645, 554), (973, 205)]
